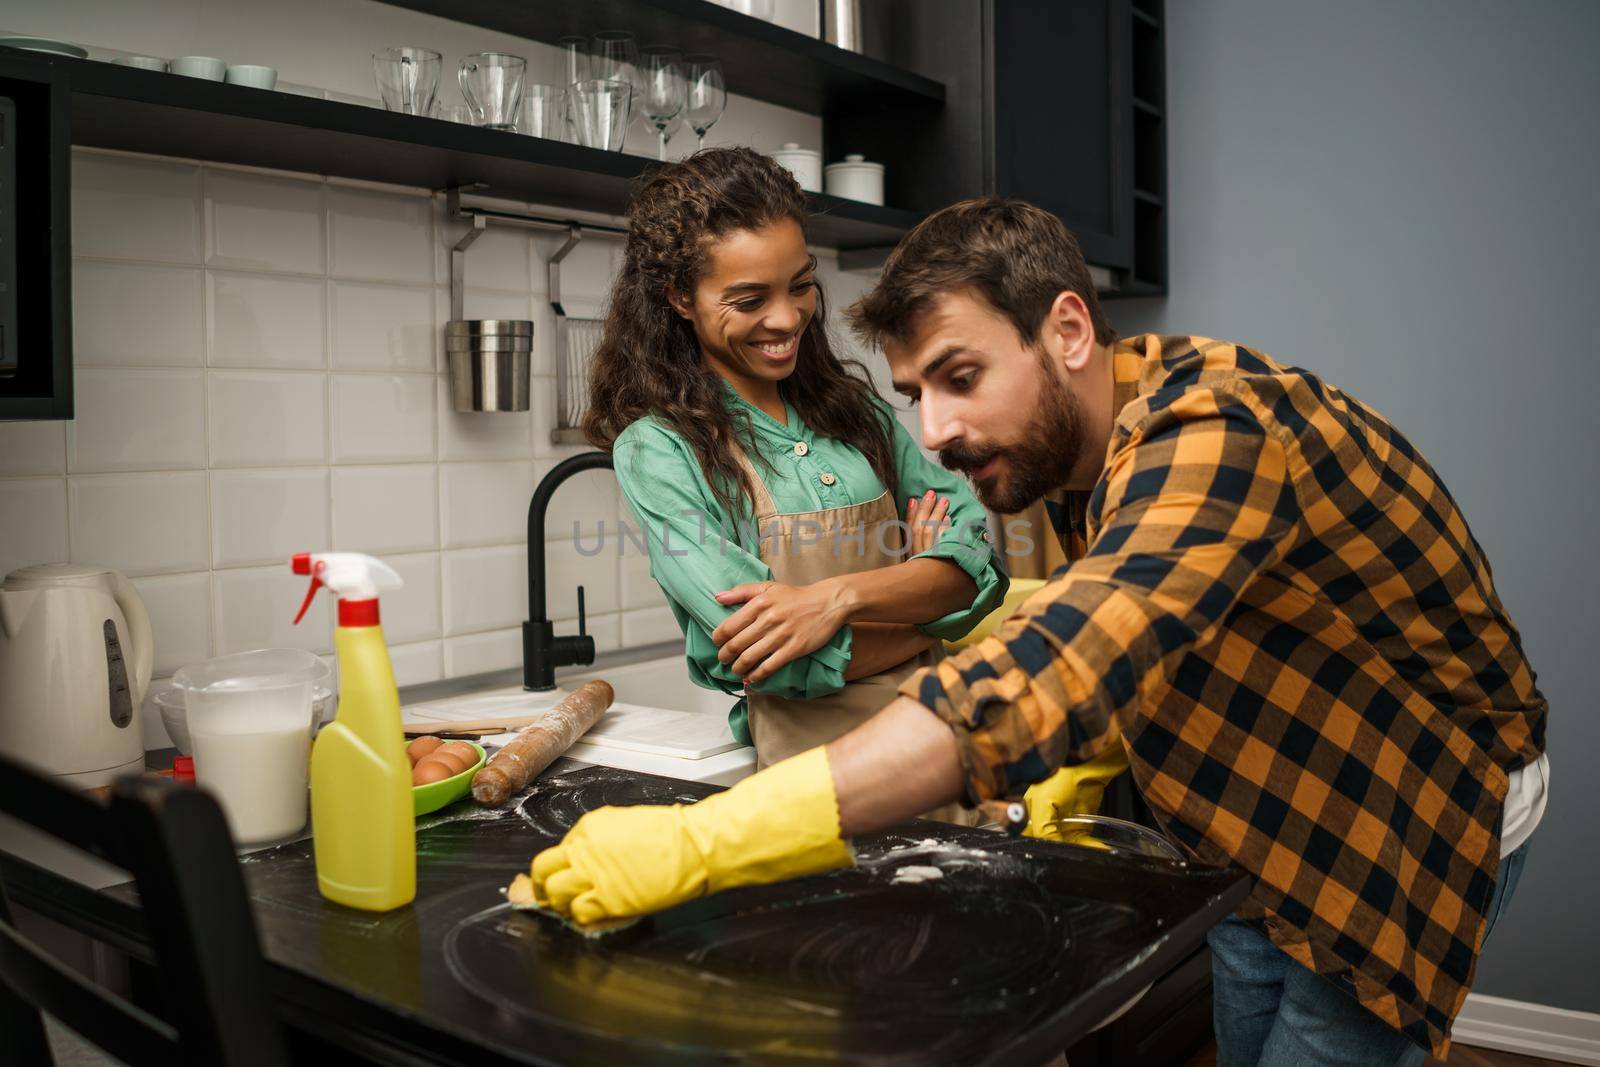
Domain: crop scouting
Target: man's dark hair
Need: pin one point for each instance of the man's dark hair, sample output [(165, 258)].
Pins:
[(1015, 256)]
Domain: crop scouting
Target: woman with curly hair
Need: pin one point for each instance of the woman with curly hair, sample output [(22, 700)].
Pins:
[(765, 472)]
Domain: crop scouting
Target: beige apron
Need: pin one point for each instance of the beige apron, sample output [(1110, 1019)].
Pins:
[(807, 547)]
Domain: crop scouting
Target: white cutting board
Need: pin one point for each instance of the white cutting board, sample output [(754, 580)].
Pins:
[(658, 731), (683, 734)]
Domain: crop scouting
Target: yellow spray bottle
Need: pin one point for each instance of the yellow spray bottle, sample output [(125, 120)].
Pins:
[(362, 828)]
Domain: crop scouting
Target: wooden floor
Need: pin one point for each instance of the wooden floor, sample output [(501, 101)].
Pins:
[(1460, 1056)]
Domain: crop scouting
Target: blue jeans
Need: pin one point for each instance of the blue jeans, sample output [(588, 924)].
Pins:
[(1270, 1011)]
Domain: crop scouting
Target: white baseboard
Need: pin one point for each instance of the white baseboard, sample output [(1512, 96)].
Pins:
[(1529, 1029)]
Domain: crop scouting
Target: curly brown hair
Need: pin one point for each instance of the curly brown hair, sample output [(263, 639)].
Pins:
[(649, 362)]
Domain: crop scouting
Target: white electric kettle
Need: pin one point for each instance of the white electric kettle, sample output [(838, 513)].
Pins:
[(75, 656)]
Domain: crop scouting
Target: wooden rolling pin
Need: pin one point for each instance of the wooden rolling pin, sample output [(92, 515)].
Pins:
[(540, 745)]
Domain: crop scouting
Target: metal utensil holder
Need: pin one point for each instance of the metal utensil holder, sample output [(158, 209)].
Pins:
[(490, 360), (576, 341), (489, 363)]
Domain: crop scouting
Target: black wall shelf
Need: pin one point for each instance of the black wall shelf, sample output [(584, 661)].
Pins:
[(164, 114), (759, 59)]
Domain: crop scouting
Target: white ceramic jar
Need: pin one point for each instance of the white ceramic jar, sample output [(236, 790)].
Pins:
[(804, 163), (855, 179)]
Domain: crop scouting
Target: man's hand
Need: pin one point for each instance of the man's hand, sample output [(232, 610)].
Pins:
[(618, 864), (778, 624), (1075, 790)]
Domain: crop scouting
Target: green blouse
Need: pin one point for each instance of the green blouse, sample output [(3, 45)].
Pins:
[(683, 529)]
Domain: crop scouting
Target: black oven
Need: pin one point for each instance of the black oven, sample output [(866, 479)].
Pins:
[(35, 240)]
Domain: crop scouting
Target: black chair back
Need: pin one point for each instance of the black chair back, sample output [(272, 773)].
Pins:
[(174, 841)]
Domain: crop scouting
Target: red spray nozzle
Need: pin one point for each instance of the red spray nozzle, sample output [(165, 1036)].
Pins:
[(354, 578), (302, 564), (316, 583)]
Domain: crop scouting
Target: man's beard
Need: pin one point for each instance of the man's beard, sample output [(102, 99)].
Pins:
[(1041, 461)]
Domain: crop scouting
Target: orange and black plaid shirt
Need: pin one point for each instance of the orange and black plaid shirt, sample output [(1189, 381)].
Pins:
[(1279, 606)]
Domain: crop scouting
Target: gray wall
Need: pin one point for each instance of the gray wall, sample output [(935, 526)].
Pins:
[(1403, 198)]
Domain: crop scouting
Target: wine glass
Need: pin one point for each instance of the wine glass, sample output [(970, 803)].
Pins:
[(661, 89), (674, 124), (614, 57), (573, 65), (707, 94)]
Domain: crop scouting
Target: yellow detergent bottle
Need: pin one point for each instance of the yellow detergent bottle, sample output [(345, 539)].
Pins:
[(363, 830)]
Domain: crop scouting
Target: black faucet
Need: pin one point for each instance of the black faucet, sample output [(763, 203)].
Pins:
[(542, 650)]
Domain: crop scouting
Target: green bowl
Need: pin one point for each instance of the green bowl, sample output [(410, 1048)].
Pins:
[(435, 795)]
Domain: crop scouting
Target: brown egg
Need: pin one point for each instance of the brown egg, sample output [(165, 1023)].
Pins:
[(430, 771), (421, 747), (461, 750), (446, 759)]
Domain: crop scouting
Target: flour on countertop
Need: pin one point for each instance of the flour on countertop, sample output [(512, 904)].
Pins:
[(945, 851), (916, 875)]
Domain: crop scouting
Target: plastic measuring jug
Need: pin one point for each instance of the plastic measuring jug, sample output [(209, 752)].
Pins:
[(250, 726)]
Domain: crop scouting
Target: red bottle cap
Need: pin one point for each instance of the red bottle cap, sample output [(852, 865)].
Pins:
[(183, 769), (358, 612)]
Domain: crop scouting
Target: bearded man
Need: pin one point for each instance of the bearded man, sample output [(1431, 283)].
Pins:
[(1272, 600)]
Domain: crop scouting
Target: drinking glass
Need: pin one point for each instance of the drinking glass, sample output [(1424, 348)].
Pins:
[(408, 78), (614, 57), (602, 109), (544, 111), (492, 84), (662, 89), (707, 94)]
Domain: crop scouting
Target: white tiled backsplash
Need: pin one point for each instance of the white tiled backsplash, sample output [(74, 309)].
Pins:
[(257, 361)]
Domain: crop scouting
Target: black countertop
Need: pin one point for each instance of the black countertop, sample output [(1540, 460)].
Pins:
[(1015, 950)]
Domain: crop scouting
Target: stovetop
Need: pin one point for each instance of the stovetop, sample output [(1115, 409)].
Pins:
[(1009, 953)]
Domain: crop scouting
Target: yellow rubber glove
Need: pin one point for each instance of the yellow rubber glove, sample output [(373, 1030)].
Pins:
[(1021, 589), (617, 864), (1075, 790)]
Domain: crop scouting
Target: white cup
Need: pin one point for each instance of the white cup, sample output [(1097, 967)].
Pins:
[(212, 70), (142, 62), (253, 76)]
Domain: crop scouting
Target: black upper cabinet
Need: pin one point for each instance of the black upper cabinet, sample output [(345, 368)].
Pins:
[(1061, 117), (1058, 102), (35, 247)]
